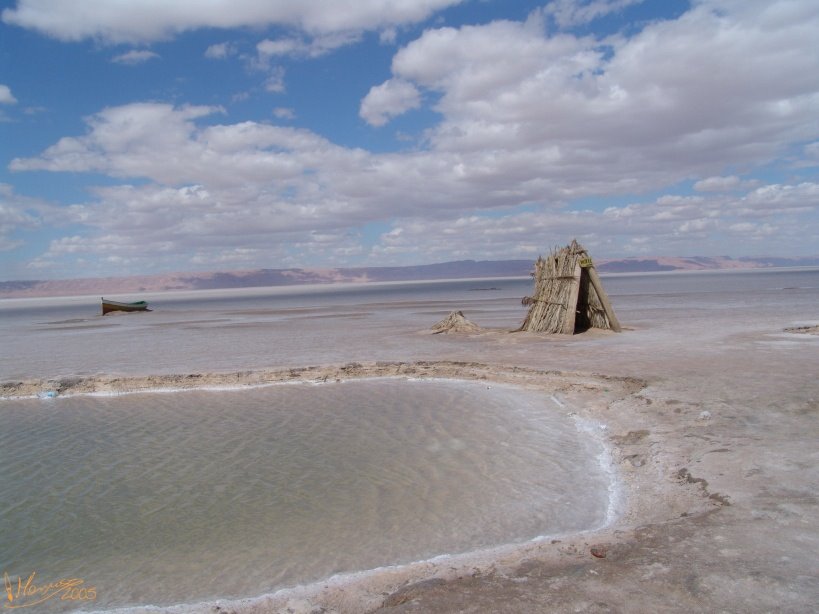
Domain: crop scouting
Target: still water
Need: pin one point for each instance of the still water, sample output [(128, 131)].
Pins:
[(162, 498)]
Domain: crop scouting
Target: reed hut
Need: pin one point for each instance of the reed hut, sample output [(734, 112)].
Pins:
[(569, 297)]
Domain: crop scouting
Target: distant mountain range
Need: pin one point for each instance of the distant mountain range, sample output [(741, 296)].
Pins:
[(461, 269)]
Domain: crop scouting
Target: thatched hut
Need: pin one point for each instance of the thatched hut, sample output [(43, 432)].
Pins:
[(569, 296)]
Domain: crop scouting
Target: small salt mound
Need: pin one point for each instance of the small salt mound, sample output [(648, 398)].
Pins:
[(455, 322)]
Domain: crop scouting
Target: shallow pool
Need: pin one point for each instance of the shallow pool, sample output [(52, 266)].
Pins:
[(160, 498)]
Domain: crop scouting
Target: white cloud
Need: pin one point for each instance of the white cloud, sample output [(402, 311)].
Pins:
[(810, 155), (284, 113), (528, 119), (717, 184), (570, 13), (775, 199), (135, 56), (18, 212), (220, 51), (6, 97), (641, 111), (388, 36), (269, 50), (666, 226), (748, 230), (282, 46), (300, 47), (147, 20), (124, 141), (213, 187), (275, 80), (391, 98)]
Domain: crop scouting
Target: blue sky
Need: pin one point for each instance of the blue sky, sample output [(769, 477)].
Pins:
[(143, 137)]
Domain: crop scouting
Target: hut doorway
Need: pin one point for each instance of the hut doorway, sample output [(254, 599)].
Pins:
[(582, 322)]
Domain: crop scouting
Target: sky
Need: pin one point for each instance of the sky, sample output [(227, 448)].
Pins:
[(152, 136)]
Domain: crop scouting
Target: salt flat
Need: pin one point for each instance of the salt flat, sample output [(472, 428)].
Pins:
[(713, 423)]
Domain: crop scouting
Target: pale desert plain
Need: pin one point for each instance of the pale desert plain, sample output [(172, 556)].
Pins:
[(709, 406)]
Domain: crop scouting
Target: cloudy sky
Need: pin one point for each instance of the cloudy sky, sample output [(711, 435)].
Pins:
[(150, 136)]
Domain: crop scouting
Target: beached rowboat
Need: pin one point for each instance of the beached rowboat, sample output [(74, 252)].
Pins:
[(109, 306)]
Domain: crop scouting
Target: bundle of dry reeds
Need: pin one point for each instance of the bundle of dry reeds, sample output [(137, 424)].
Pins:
[(455, 322), (568, 295)]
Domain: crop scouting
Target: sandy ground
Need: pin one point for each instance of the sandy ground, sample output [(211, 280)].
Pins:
[(714, 434)]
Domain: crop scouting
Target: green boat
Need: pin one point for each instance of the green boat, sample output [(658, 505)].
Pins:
[(108, 306)]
